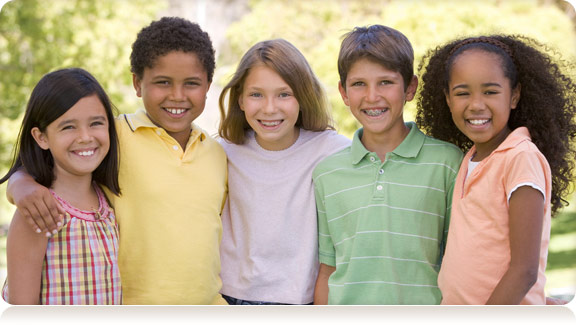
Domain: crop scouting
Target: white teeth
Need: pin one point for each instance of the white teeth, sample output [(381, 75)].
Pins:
[(374, 112), (478, 122), (270, 123), (86, 153), (175, 111)]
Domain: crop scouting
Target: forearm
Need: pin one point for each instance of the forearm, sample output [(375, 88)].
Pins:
[(18, 178), (513, 286), (321, 288), (526, 213), (35, 203)]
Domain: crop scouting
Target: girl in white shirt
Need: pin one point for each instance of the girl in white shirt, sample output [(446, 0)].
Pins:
[(275, 128)]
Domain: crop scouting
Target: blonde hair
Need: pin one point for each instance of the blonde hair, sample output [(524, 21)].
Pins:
[(284, 58)]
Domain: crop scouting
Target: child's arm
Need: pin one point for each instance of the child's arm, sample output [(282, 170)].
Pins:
[(25, 250), (321, 288), (35, 203), (526, 213)]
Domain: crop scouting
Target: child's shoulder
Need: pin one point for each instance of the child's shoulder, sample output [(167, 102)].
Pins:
[(330, 140), (442, 148), (441, 145), (339, 159)]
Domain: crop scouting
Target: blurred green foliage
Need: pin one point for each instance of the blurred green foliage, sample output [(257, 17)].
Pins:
[(38, 36), (316, 27)]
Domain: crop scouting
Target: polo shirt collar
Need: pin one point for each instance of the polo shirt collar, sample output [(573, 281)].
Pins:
[(409, 148), (141, 120), (513, 139)]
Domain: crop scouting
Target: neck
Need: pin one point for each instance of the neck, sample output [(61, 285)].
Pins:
[(381, 144), (76, 190), (484, 150)]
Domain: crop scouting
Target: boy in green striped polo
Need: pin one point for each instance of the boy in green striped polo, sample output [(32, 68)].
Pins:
[(384, 202)]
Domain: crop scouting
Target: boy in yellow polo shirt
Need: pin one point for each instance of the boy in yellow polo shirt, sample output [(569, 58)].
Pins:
[(172, 174)]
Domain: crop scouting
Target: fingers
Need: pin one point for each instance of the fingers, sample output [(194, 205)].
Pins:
[(27, 215), (43, 214), (53, 215)]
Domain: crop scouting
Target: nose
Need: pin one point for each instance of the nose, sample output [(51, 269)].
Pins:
[(85, 135), (372, 94), (477, 102), (269, 106), (177, 93)]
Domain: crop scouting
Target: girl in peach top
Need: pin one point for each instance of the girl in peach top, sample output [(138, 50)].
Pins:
[(514, 112)]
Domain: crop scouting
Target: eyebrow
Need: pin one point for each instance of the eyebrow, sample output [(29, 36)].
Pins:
[(488, 84), (284, 88), (170, 78), (389, 76)]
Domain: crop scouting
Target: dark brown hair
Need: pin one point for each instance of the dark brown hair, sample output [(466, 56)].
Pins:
[(53, 96), (381, 44)]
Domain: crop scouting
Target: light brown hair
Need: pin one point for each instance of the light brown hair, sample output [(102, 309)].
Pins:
[(284, 58)]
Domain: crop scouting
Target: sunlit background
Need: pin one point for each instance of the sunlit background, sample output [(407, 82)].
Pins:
[(38, 36)]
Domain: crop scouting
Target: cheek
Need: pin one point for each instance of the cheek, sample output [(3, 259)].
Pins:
[(104, 138)]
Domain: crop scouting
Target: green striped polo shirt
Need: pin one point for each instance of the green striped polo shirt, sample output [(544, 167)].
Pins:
[(383, 224)]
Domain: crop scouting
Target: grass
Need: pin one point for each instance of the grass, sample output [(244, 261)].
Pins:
[(561, 268)]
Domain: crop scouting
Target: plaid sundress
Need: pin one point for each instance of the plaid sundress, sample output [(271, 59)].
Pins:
[(81, 262)]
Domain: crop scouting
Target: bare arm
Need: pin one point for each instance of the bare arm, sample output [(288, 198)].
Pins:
[(526, 213), (25, 250), (321, 288), (35, 203)]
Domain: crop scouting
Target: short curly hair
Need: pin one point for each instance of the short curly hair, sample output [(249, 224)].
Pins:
[(167, 35), (547, 105)]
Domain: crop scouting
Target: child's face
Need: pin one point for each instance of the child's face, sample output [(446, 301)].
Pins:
[(270, 108), (174, 92), (480, 99), (376, 97), (79, 139)]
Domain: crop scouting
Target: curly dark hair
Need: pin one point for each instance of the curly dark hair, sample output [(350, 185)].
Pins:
[(547, 105), (167, 35)]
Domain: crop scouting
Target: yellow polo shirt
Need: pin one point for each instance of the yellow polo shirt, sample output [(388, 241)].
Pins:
[(169, 214)]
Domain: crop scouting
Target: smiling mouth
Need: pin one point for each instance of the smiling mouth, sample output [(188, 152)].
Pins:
[(85, 153), (478, 121), (270, 123), (175, 111), (375, 111)]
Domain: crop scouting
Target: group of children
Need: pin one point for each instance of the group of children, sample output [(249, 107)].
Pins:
[(281, 209)]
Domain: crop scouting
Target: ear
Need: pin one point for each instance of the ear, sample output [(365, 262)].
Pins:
[(343, 94), (447, 96), (411, 89), (137, 85), (515, 97), (40, 138), (241, 102)]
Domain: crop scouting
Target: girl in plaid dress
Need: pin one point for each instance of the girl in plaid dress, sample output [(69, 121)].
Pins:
[(68, 143)]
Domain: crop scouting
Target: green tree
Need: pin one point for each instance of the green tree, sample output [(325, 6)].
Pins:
[(316, 27), (38, 36)]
